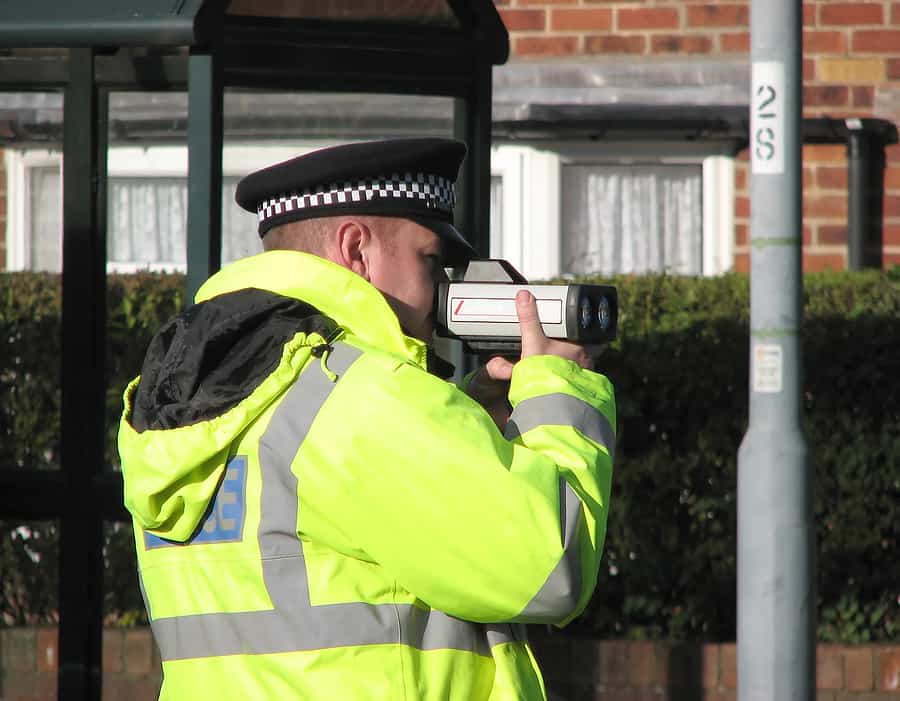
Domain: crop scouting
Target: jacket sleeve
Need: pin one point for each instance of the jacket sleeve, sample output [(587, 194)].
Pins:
[(409, 470)]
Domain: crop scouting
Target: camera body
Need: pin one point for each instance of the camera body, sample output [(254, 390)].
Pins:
[(480, 309)]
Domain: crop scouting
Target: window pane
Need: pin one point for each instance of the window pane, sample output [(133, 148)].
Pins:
[(29, 370), (29, 608), (631, 219), (44, 207), (29, 573), (496, 214)]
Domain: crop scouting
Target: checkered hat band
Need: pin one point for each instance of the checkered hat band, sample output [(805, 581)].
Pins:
[(428, 191)]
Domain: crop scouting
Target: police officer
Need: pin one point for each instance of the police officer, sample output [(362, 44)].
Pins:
[(318, 516)]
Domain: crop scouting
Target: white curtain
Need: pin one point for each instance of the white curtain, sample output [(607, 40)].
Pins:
[(631, 219), (45, 224), (146, 222)]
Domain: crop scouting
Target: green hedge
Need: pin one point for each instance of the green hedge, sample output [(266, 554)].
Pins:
[(680, 369)]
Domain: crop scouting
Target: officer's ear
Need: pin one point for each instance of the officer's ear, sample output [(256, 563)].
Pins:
[(354, 245)]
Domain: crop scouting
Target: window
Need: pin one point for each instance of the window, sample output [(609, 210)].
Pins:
[(613, 208), (146, 206)]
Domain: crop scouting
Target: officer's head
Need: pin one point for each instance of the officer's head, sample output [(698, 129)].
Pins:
[(382, 209)]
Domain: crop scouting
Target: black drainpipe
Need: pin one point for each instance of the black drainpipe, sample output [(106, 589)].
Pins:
[(865, 179)]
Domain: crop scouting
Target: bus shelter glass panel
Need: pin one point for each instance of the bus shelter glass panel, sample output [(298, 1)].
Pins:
[(30, 284), (147, 193), (436, 12), (29, 608), (131, 664)]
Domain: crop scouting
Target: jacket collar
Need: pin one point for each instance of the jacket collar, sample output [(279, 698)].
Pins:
[(354, 303)]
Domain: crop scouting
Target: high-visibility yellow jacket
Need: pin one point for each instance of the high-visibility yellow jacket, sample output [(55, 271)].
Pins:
[(318, 517)]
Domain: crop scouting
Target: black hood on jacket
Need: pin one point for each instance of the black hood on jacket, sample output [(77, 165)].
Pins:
[(213, 355)]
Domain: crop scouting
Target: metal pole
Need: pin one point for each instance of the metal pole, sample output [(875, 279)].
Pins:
[(83, 382), (205, 104), (776, 598)]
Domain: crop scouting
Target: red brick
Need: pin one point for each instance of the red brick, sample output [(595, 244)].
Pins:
[(892, 206), (876, 40), (647, 18), (17, 647), (825, 206), (889, 669), (892, 178), (735, 42), (862, 96), (47, 650), (138, 652), (728, 671), (823, 42), (742, 206), (680, 44), (112, 651), (740, 239), (807, 235), (642, 663), (740, 177), (615, 44), (722, 694), (832, 236), (891, 235), (808, 177), (858, 672), (809, 69), (846, 13), (718, 16), (813, 262), (893, 69), (827, 153), (543, 2), (741, 265), (545, 46), (523, 20), (831, 177), (826, 95), (710, 673), (895, 13), (613, 662), (809, 14), (581, 20)]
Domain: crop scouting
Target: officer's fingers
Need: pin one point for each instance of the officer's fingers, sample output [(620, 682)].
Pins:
[(533, 338), (499, 368)]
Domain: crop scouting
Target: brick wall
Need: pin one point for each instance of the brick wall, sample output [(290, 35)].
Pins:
[(851, 68), (574, 669)]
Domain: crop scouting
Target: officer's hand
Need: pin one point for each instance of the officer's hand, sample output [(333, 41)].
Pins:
[(489, 387), (534, 342)]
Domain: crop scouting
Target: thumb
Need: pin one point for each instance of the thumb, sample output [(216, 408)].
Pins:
[(529, 324)]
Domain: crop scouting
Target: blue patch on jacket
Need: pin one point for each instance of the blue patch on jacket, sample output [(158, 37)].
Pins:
[(224, 521)]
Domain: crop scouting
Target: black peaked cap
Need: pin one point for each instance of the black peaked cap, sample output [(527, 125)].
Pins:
[(407, 178)]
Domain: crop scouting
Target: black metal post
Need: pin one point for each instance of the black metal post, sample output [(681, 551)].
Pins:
[(83, 385), (865, 178), (205, 107), (472, 124)]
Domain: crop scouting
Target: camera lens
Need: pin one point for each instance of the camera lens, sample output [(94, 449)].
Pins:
[(585, 313), (603, 313)]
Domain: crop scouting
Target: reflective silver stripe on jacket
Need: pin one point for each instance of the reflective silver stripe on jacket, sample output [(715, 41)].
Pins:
[(294, 624), (561, 591)]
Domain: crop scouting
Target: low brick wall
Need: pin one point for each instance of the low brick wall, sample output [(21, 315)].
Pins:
[(575, 670), (615, 670)]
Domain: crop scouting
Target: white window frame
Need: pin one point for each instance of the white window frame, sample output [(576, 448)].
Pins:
[(531, 211), (124, 162)]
